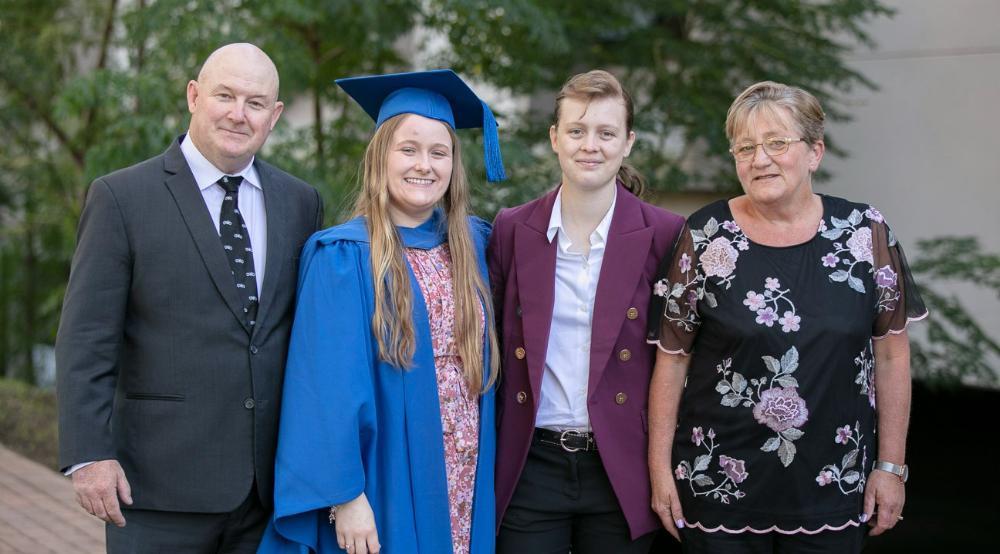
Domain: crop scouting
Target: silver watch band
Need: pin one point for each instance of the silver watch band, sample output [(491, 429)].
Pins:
[(901, 471)]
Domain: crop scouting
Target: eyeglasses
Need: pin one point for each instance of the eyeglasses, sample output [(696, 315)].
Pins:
[(774, 146)]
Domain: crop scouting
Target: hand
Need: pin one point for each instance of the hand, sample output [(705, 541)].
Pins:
[(884, 497), (98, 487), (355, 525), (666, 503)]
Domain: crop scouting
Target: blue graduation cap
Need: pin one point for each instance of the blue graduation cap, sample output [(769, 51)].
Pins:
[(439, 94)]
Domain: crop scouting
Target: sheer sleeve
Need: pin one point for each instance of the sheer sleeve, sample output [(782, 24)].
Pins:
[(898, 300), (673, 307)]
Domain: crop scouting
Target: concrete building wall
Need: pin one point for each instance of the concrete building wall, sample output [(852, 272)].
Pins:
[(924, 147)]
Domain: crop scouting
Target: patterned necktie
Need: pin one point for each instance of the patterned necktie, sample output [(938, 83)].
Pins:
[(236, 242)]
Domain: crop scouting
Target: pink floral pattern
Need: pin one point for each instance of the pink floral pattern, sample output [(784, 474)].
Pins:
[(848, 475), (459, 407), (779, 406), (858, 245), (732, 470)]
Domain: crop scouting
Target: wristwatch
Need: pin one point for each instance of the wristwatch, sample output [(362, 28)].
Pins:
[(903, 471)]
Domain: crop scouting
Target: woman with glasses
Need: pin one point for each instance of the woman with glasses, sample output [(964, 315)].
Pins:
[(785, 312)]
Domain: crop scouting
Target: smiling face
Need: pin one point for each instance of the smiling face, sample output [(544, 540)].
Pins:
[(233, 105), (419, 165), (591, 140), (781, 178)]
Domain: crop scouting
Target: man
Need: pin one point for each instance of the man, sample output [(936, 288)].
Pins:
[(169, 361)]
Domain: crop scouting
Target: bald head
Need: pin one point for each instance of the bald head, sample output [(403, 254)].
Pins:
[(245, 56), (234, 105)]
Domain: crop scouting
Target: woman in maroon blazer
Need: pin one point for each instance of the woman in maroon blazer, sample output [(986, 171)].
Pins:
[(572, 274)]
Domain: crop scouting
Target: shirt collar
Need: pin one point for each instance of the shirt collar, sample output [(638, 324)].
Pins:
[(600, 234), (206, 174)]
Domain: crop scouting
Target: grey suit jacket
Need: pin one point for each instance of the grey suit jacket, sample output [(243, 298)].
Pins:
[(156, 367)]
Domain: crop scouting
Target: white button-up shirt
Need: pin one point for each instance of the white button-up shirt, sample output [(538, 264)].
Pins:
[(563, 402), (251, 201)]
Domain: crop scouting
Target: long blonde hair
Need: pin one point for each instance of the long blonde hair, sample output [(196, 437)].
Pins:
[(392, 322)]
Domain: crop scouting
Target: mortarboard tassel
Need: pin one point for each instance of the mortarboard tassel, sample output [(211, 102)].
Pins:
[(491, 147)]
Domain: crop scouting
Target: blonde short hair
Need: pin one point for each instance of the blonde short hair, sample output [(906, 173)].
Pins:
[(803, 107)]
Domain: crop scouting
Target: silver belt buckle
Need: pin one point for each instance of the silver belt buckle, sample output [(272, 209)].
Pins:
[(569, 433)]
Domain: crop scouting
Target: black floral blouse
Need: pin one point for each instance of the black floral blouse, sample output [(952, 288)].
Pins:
[(776, 427)]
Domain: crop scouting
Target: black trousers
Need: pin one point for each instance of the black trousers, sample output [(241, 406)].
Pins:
[(564, 502), (152, 531), (846, 541)]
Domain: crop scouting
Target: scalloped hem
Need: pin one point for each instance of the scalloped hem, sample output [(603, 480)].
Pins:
[(681, 351), (909, 320), (772, 529)]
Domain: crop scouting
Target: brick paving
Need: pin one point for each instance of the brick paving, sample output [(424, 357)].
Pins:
[(38, 512)]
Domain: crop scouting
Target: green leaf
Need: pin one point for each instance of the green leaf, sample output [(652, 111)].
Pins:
[(790, 360), (786, 453), (771, 444)]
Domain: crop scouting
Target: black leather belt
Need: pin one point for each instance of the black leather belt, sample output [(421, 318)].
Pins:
[(570, 441)]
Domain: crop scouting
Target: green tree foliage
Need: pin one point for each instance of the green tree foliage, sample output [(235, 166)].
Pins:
[(955, 349), (683, 60), (89, 86)]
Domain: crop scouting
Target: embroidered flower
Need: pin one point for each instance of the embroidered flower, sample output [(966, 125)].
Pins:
[(685, 263), (680, 473), (719, 258), (711, 433), (885, 277), (824, 478), (771, 283), (697, 436), (860, 245), (781, 409), (843, 434), (731, 226), (822, 226), (692, 299), (766, 316), (733, 468), (789, 322), (660, 288), (754, 301), (830, 260), (742, 244), (874, 214)]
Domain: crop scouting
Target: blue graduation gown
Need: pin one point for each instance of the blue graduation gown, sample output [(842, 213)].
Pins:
[(351, 423)]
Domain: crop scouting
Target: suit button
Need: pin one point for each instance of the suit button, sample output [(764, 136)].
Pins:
[(620, 398), (632, 313), (519, 353), (625, 354), (518, 311), (248, 403), (522, 397), (253, 349)]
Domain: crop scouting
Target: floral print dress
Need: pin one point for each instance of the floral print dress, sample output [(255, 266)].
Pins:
[(776, 426), (459, 407)]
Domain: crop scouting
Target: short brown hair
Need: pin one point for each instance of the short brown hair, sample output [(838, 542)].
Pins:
[(601, 84)]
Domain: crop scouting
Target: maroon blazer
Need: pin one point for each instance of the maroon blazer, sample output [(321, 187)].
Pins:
[(621, 362)]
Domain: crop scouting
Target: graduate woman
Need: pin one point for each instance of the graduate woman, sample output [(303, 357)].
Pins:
[(572, 274), (387, 423)]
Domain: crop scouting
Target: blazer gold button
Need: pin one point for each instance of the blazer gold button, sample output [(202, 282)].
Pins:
[(522, 397), (519, 353), (632, 313), (620, 398), (625, 354)]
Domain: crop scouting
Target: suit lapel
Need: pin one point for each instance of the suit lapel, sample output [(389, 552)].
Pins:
[(276, 214), (535, 263), (182, 186), (628, 245)]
